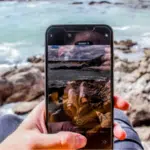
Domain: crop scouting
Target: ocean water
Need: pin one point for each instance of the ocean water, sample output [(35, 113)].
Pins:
[(23, 24)]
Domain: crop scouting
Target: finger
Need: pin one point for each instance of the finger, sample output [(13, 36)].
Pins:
[(119, 132), (36, 119), (120, 103), (60, 140)]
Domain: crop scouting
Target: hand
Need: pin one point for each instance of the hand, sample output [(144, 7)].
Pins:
[(123, 105), (32, 135)]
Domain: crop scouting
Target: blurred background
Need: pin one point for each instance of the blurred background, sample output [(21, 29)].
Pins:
[(22, 33)]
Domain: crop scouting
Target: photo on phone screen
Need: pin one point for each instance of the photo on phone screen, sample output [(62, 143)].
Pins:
[(79, 83)]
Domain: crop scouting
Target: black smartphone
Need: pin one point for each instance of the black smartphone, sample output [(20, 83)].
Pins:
[(79, 82)]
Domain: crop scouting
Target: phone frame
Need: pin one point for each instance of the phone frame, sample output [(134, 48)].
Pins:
[(112, 67)]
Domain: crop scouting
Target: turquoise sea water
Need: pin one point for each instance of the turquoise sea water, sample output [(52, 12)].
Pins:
[(23, 24)]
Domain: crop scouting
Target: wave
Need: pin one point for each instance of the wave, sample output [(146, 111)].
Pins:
[(146, 34), (31, 5), (144, 41), (9, 53), (122, 28)]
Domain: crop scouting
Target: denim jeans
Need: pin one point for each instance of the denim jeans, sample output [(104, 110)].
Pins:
[(9, 123)]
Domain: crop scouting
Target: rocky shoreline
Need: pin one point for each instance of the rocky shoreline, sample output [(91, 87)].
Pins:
[(25, 84), (138, 4)]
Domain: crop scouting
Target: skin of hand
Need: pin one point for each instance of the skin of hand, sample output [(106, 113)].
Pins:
[(32, 133)]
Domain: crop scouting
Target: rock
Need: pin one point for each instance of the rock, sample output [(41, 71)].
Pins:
[(101, 2), (125, 44), (26, 86), (146, 145), (125, 66), (144, 136), (25, 107), (140, 118), (132, 82), (118, 3), (121, 47), (147, 52), (6, 69), (92, 3), (17, 69), (104, 2), (36, 59), (39, 66), (77, 3), (144, 6), (24, 68), (6, 88), (124, 49)]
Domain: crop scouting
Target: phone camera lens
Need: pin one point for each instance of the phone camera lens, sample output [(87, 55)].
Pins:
[(69, 35), (106, 35)]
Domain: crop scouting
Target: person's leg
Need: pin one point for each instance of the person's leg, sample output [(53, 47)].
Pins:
[(132, 141), (8, 124)]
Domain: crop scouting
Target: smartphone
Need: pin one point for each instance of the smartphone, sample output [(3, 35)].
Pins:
[(79, 82)]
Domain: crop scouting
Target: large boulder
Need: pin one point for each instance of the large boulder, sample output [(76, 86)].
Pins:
[(6, 89), (26, 85), (25, 107)]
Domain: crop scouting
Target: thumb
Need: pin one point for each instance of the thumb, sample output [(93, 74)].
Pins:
[(36, 119), (61, 140)]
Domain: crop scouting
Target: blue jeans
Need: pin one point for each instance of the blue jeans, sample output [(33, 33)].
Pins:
[(9, 123)]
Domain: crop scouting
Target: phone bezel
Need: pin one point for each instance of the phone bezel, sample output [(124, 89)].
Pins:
[(112, 65)]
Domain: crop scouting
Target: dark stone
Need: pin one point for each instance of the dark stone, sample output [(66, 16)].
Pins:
[(144, 6), (104, 2), (77, 3), (35, 59), (117, 3), (92, 3), (6, 89)]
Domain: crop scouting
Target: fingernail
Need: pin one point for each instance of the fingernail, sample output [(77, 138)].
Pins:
[(80, 141), (122, 133), (123, 136)]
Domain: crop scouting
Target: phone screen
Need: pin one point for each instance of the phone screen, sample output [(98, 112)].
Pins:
[(79, 82)]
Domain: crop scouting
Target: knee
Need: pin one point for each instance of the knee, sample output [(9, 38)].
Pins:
[(9, 120), (8, 124)]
